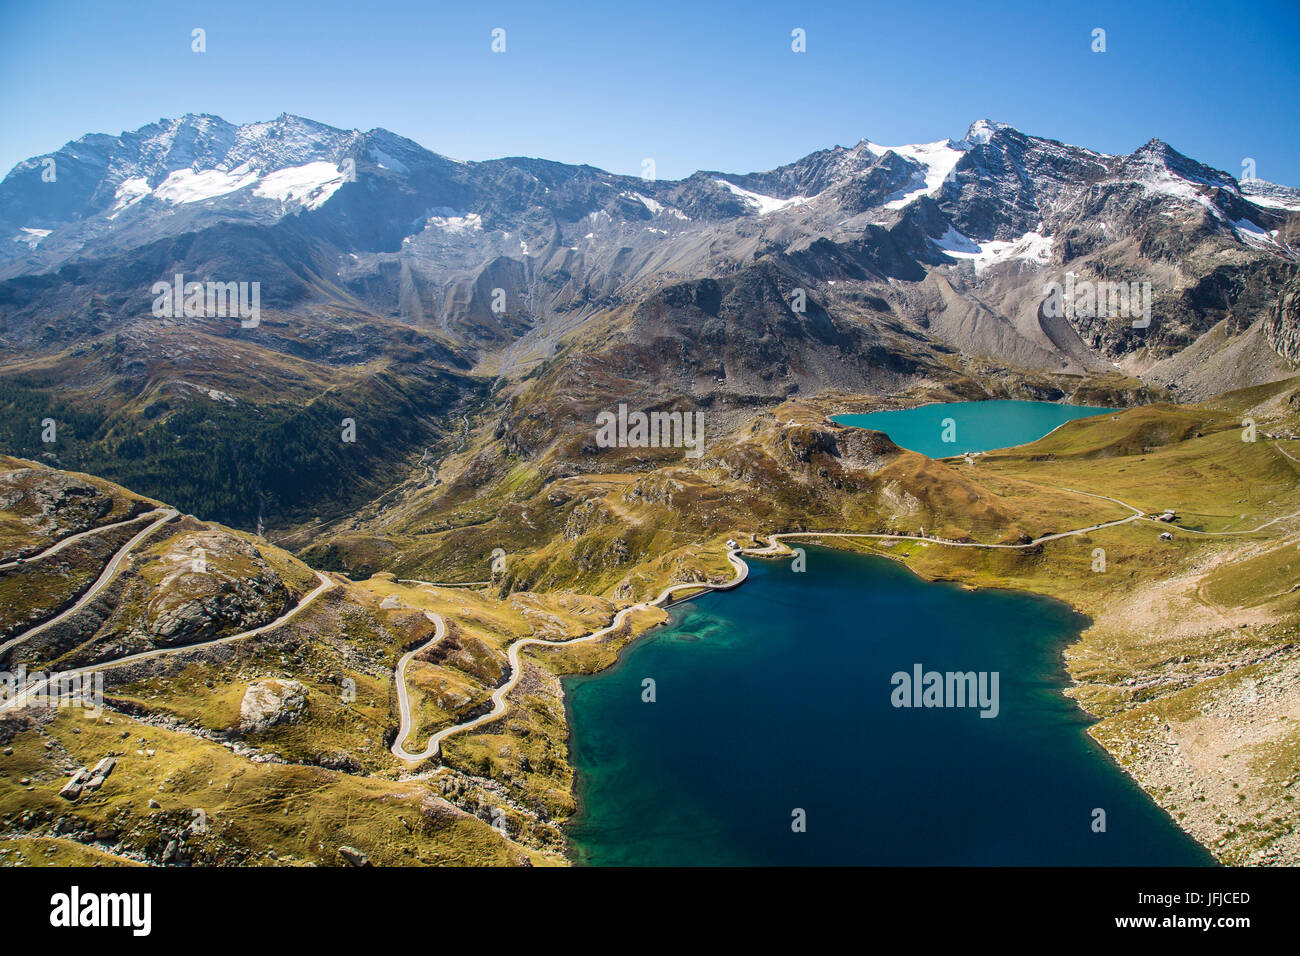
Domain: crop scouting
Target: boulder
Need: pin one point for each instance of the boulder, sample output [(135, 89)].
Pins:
[(267, 703), (72, 789), (354, 856), (100, 773)]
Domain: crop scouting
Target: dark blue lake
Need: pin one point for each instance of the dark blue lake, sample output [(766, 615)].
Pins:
[(975, 426), (777, 697)]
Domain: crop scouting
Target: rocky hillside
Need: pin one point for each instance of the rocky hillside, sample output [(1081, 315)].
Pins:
[(178, 581)]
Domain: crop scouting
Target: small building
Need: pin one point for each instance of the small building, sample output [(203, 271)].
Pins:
[(731, 544), (1167, 516), (1166, 536)]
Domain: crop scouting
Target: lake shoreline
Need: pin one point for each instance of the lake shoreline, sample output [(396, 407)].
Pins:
[(1025, 578), (1060, 677), (1021, 423)]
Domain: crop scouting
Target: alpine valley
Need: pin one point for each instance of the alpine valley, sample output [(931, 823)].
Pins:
[(316, 558)]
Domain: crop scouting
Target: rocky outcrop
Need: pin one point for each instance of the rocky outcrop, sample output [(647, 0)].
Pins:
[(465, 652), (72, 789), (100, 774), (245, 602), (52, 502), (865, 449), (85, 779), (857, 448), (353, 856), (1282, 329), (217, 583), (588, 515)]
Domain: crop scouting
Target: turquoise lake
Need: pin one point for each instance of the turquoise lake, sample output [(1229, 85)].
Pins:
[(777, 696), (976, 426)]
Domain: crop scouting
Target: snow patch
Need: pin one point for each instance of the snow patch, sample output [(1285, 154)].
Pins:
[(980, 133), (187, 185), (1033, 247), (470, 222), (956, 244), (129, 192), (311, 184), (32, 237), (385, 161), (939, 160), (1270, 195), (765, 204), (1252, 234), (655, 207), (1160, 181), (1272, 203)]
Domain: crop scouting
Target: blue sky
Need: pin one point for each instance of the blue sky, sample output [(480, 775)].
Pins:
[(692, 85)]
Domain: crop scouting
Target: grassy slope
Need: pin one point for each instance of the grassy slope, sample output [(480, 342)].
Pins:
[(256, 813)]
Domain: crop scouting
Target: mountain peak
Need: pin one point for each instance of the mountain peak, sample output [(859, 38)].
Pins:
[(1158, 154), (1156, 148), (983, 130)]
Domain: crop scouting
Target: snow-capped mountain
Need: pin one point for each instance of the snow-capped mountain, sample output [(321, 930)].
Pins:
[(175, 162), (956, 237), (994, 184)]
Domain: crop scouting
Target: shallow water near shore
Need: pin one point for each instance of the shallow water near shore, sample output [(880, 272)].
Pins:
[(976, 426), (777, 697)]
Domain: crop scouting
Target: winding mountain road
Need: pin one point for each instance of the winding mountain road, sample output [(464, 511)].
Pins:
[(64, 542), (107, 575), (516, 671), (775, 539), (445, 584), (499, 706), (399, 677), (324, 584), (1220, 534)]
